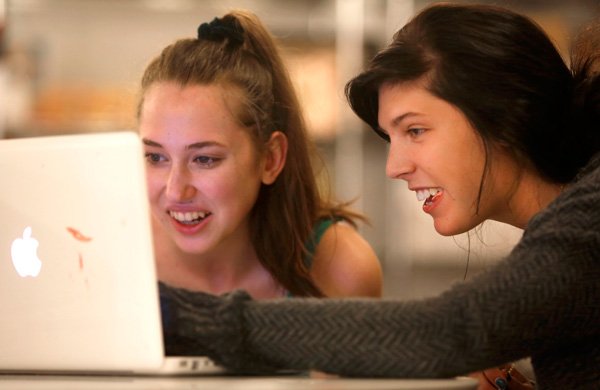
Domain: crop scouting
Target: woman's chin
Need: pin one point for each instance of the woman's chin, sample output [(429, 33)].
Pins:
[(446, 228)]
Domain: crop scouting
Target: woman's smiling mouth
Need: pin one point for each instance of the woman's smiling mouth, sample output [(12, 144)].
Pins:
[(189, 217), (430, 196), (425, 193)]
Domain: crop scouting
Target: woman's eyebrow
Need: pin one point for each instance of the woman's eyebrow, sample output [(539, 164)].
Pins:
[(203, 144), (195, 145), (148, 142), (400, 118), (396, 121)]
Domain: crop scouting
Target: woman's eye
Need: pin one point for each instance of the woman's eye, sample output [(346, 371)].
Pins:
[(206, 161), (416, 131), (154, 158)]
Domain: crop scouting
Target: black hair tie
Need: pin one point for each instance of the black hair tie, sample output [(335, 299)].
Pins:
[(218, 30)]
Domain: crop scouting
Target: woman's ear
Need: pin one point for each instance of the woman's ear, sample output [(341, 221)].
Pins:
[(275, 156)]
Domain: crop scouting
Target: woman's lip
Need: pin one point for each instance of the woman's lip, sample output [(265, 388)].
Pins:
[(432, 202), (189, 229), (184, 209), (188, 215), (425, 192)]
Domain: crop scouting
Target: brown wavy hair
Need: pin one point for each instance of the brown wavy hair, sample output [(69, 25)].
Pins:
[(238, 53)]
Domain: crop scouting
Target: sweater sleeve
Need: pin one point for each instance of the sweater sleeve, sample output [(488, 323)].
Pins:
[(546, 293), (354, 337)]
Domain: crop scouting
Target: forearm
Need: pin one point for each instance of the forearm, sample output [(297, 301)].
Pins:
[(356, 337)]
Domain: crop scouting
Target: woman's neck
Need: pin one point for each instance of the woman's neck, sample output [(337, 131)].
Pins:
[(234, 267), (532, 195)]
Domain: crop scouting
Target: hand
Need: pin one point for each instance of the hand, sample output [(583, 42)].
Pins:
[(196, 323), (182, 313)]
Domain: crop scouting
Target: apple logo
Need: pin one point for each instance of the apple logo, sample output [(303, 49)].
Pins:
[(24, 255)]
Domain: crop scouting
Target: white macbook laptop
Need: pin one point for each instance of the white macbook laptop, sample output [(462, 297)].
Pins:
[(78, 289)]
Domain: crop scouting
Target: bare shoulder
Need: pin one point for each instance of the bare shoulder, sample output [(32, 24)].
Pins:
[(345, 264)]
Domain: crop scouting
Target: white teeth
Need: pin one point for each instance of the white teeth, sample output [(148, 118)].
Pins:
[(426, 193), (188, 216)]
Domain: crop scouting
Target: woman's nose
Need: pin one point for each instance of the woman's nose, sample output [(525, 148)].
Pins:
[(180, 187), (399, 163)]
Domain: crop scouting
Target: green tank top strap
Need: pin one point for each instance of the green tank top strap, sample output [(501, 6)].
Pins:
[(318, 231), (313, 241)]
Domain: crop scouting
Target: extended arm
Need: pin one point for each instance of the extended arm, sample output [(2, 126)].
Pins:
[(545, 295)]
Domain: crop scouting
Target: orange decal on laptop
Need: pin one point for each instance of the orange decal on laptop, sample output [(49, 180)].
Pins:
[(77, 234)]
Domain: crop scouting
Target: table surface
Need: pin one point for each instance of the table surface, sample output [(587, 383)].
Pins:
[(25, 382)]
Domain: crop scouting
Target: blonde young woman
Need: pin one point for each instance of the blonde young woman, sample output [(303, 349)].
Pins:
[(234, 198)]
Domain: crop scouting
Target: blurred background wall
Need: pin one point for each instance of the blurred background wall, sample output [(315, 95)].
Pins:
[(71, 66)]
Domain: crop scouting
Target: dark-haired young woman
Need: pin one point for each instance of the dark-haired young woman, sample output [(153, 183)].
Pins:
[(485, 121)]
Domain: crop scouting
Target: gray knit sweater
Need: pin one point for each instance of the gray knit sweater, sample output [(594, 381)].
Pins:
[(542, 301)]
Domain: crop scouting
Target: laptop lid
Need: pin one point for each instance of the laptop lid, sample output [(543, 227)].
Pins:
[(77, 277)]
